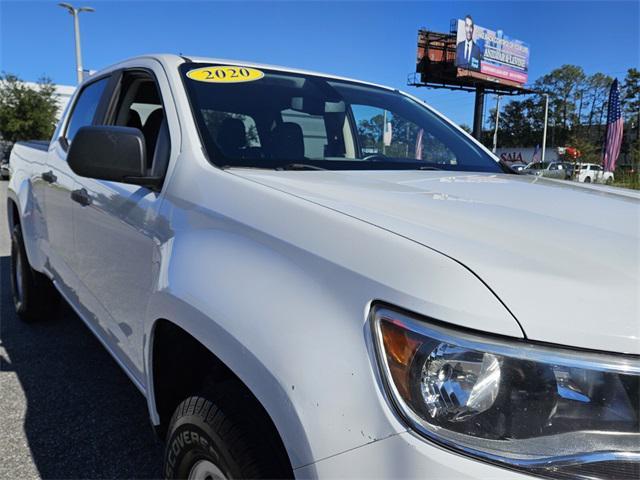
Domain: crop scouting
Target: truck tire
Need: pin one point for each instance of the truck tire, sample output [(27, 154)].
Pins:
[(587, 180), (218, 436), (33, 294)]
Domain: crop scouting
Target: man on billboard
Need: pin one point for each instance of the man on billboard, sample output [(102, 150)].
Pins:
[(468, 53)]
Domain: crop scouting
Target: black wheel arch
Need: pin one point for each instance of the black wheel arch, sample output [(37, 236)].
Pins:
[(181, 367), (13, 213)]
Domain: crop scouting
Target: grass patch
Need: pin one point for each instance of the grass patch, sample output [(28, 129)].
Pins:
[(627, 180)]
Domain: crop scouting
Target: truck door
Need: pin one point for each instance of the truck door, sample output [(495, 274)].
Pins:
[(60, 182), (119, 229)]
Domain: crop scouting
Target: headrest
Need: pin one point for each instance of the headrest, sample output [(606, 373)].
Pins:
[(133, 120), (232, 136), (150, 130), (153, 121), (288, 142)]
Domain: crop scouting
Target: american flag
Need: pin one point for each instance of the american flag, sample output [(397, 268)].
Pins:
[(615, 123), (536, 155)]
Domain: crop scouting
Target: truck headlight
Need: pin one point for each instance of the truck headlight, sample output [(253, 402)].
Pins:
[(545, 410)]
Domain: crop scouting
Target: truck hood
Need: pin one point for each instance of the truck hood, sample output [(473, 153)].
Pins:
[(564, 258)]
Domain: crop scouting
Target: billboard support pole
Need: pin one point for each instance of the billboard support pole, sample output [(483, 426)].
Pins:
[(477, 113), (544, 130), (495, 132)]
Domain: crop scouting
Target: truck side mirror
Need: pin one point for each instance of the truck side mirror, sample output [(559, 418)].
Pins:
[(111, 153)]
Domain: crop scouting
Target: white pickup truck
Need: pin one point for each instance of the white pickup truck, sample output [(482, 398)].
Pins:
[(592, 173), (314, 277)]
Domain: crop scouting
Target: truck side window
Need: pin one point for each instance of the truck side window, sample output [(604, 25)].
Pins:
[(140, 106), (85, 108)]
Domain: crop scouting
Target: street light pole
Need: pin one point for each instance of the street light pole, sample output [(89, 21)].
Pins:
[(76, 28), (544, 130), (495, 132)]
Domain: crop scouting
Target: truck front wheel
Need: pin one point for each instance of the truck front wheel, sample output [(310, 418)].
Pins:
[(33, 294), (214, 437)]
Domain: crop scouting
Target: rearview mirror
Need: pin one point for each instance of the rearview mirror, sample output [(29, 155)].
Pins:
[(110, 153)]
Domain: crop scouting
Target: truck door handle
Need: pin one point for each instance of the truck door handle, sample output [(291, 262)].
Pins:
[(81, 196), (49, 177)]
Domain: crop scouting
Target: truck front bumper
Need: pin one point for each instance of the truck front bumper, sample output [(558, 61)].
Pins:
[(403, 456)]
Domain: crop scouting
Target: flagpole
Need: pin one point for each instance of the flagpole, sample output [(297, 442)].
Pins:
[(544, 130), (495, 133), (604, 147), (606, 134)]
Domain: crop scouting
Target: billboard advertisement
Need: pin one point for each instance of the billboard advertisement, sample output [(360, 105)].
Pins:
[(479, 49)]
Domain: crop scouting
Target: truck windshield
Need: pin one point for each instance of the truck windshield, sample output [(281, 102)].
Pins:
[(263, 118)]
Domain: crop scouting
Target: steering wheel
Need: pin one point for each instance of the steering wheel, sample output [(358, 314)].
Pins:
[(375, 157)]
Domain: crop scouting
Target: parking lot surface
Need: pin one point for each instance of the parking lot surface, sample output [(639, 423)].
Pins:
[(66, 408)]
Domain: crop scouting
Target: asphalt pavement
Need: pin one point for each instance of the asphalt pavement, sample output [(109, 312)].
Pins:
[(66, 408)]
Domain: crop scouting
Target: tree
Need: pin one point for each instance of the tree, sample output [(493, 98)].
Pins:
[(576, 103), (631, 98), (516, 123), (599, 85), (566, 87), (25, 112), (520, 123), (370, 131), (589, 153)]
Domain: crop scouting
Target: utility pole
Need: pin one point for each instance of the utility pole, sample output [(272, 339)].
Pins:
[(495, 132), (384, 130), (76, 28), (544, 130)]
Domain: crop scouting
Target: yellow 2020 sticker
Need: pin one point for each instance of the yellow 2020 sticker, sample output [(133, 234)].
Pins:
[(225, 74)]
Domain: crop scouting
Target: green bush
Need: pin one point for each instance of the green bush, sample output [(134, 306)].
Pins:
[(26, 113)]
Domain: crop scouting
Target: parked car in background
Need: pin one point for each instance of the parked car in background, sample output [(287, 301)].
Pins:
[(518, 167), (592, 173), (547, 169), (5, 150), (4, 169), (569, 169)]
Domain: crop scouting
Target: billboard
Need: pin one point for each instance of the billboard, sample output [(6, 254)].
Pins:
[(479, 49)]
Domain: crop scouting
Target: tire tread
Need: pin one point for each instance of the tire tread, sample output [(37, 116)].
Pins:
[(227, 411)]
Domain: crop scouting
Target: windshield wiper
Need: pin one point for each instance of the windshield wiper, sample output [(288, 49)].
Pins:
[(428, 168), (299, 166)]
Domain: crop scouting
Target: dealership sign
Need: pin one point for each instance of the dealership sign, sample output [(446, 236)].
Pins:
[(479, 49)]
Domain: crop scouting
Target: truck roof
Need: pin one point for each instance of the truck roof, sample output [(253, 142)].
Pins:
[(171, 59)]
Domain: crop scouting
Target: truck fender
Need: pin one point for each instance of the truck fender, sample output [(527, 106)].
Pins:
[(188, 282), (20, 194)]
